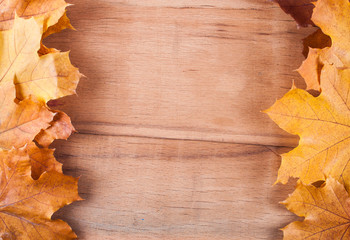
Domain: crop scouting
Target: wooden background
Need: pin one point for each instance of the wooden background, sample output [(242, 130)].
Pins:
[(171, 142)]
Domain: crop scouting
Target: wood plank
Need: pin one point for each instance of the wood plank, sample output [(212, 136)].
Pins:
[(144, 188), (170, 69), (172, 87)]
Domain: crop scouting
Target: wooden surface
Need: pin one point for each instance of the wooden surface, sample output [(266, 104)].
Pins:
[(171, 142)]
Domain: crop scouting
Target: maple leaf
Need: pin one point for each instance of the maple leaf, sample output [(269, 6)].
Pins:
[(26, 205), (326, 211), (323, 124), (46, 12), (300, 10)]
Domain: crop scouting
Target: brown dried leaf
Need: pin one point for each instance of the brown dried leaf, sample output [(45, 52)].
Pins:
[(300, 10), (60, 128)]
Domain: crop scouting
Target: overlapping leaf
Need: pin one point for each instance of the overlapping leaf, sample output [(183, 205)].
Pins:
[(43, 78), (323, 123), (332, 17), (46, 12), (326, 211), (28, 80)]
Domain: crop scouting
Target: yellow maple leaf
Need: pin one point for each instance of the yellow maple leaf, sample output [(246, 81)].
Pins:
[(323, 124), (26, 205), (326, 211)]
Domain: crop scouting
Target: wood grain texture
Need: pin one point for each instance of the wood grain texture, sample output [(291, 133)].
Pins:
[(171, 142)]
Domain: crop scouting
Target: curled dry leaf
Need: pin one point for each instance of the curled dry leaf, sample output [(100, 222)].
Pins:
[(26, 205), (60, 128), (326, 211)]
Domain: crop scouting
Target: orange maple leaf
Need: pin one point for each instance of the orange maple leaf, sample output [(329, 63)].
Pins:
[(26, 205), (323, 124)]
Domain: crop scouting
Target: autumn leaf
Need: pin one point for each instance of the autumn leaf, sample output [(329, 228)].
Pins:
[(326, 211), (323, 124), (26, 205), (32, 186), (300, 10), (60, 128), (46, 12)]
